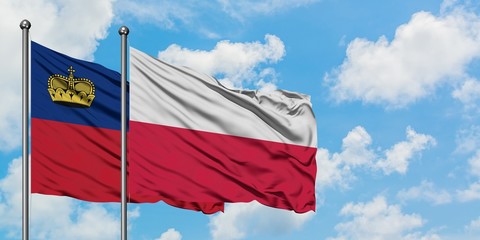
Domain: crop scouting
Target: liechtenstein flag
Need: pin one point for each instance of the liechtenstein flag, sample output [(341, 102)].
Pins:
[(75, 127)]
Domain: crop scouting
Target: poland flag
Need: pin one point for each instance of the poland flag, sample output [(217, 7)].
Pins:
[(195, 144)]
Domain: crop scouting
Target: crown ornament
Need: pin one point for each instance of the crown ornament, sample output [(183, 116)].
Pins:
[(71, 91)]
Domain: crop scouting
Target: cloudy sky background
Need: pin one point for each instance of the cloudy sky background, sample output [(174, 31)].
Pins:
[(395, 87)]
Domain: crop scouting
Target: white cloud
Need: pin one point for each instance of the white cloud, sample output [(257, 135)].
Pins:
[(73, 27), (168, 13), (233, 71), (165, 13), (173, 15), (425, 191), (468, 93), (398, 157), (52, 23), (470, 194), (448, 5), (90, 222), (53, 217), (333, 171), (468, 140), (378, 220), (355, 150), (134, 213), (11, 195), (473, 226), (420, 236), (242, 219), (474, 163), (471, 231), (337, 168), (170, 234), (411, 66), (243, 9)]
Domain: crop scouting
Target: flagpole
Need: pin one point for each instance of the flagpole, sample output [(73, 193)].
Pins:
[(123, 31), (25, 26)]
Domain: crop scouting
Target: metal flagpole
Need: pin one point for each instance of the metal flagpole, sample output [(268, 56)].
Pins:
[(25, 26), (123, 31)]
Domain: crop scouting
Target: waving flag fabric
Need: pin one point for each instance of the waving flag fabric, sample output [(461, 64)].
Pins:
[(192, 140), (75, 129)]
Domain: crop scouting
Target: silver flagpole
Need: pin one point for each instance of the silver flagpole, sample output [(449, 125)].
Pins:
[(123, 31), (25, 26)]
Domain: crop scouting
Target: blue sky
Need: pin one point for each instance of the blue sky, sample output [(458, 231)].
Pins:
[(394, 85)]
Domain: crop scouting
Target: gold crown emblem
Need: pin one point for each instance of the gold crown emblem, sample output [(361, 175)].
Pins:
[(75, 92)]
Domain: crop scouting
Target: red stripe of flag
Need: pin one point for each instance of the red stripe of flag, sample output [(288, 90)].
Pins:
[(190, 165)]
